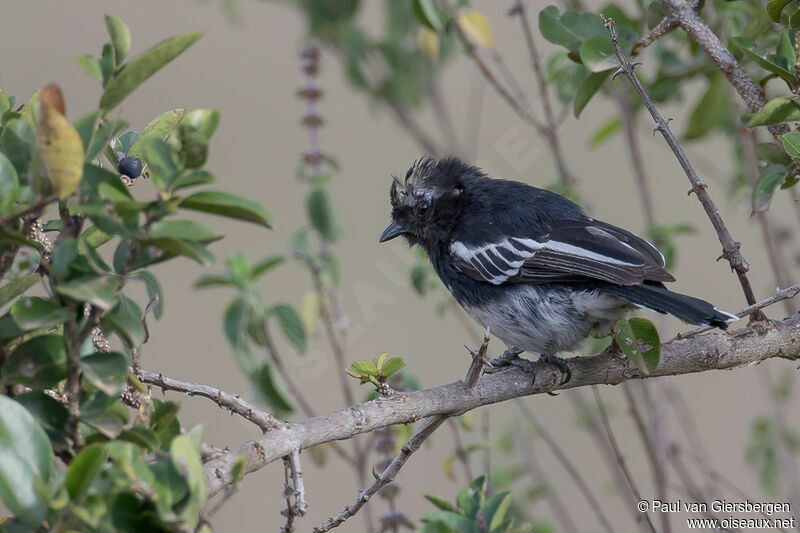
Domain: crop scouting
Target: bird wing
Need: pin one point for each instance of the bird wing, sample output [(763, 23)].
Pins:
[(567, 251)]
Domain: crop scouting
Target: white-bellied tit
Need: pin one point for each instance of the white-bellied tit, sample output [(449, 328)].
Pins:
[(529, 264)]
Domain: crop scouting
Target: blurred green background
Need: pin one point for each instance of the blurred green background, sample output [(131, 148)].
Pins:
[(250, 71)]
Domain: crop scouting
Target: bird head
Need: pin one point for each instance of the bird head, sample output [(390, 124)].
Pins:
[(426, 205)]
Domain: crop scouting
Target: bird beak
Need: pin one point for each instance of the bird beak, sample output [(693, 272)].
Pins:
[(392, 231)]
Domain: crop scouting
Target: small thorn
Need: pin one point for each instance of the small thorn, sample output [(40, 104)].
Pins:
[(551, 393), (617, 72), (635, 64)]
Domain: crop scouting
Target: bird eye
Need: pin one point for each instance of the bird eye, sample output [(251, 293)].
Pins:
[(422, 208)]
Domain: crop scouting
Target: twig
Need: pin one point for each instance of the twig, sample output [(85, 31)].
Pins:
[(571, 469), (289, 512), (292, 461), (666, 25), (618, 454), (730, 248), (779, 296), (233, 402), (330, 312), (679, 356), (412, 445)]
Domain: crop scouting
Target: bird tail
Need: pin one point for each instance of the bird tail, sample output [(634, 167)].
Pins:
[(687, 308)]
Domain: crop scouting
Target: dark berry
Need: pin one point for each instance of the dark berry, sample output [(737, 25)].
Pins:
[(130, 166)]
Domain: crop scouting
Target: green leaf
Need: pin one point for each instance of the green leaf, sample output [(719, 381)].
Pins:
[(162, 159), (25, 462), (791, 143), (638, 339), (290, 324), (441, 503), (771, 63), (9, 185), (160, 127), (786, 48), (598, 54), (427, 14), (769, 178), (52, 415), (604, 132), (365, 368), (454, 521), (392, 365), (223, 279), (773, 153), (494, 509), (186, 460), (265, 265), (192, 179), (571, 29), (103, 184), (120, 37), (90, 66), (83, 469), (776, 111), (322, 214), (201, 121), (17, 141), (774, 8), (106, 370), (181, 229), (142, 67), (20, 431), (172, 247), (33, 313), (267, 387), (228, 205), (710, 110), (587, 89), (18, 286), (96, 290), (40, 362)]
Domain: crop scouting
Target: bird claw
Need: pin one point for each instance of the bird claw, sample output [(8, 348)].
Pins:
[(507, 358), (566, 371)]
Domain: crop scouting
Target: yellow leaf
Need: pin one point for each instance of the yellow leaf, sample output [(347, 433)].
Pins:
[(59, 143), (309, 312), (428, 42), (477, 27)]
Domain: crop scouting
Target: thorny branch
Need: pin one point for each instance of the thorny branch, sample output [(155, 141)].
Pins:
[(678, 356), (296, 491), (233, 402), (412, 445), (730, 248)]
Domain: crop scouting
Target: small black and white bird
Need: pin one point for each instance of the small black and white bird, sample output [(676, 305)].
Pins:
[(529, 264)]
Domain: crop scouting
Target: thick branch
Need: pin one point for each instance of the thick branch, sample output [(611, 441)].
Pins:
[(232, 402), (730, 248), (680, 356)]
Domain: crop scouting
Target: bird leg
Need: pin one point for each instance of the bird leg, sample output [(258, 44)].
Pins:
[(566, 372), (511, 357)]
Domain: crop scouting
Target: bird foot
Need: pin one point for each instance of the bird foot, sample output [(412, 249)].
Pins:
[(508, 358), (563, 366)]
